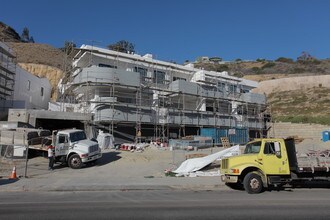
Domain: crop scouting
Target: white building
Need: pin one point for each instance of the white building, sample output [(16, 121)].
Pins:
[(19, 88), (30, 90)]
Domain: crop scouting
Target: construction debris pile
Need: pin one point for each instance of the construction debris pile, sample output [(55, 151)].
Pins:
[(191, 166), (139, 147)]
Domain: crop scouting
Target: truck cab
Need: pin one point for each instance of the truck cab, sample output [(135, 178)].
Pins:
[(264, 161), (73, 147)]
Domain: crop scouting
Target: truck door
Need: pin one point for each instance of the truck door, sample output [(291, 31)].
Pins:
[(274, 160), (62, 146)]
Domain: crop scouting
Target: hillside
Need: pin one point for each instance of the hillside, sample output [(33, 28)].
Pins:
[(38, 54), (41, 60), (270, 68), (8, 34)]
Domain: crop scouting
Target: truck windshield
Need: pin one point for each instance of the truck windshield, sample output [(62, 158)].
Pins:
[(77, 136), (252, 148)]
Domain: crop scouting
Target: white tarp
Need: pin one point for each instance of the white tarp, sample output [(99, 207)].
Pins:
[(194, 164), (105, 140)]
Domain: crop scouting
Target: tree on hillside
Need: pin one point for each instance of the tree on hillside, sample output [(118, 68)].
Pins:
[(122, 46), (305, 56), (68, 47), (25, 36), (31, 40)]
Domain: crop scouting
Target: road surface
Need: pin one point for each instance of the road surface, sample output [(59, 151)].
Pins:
[(166, 204)]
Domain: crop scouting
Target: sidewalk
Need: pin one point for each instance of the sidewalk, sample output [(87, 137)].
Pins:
[(115, 171)]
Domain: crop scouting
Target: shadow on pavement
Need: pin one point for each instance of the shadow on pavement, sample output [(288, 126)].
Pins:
[(7, 181), (41, 168), (108, 157), (307, 185)]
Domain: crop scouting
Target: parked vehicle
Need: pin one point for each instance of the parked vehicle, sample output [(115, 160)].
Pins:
[(274, 162), (72, 147)]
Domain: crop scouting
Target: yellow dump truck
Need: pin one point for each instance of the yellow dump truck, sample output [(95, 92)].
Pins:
[(273, 163)]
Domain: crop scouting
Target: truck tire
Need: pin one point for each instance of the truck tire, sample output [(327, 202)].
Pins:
[(253, 183), (75, 161)]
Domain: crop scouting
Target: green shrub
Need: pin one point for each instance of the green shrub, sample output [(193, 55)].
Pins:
[(309, 62), (256, 70), (222, 67), (268, 65), (298, 70), (284, 60), (260, 60), (323, 120)]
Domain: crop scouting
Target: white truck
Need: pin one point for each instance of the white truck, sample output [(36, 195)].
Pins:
[(72, 147)]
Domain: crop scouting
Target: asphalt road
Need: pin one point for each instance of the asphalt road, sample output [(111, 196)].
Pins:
[(166, 204)]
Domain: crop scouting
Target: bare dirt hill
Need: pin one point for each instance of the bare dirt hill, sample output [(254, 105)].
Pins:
[(8, 34), (41, 60), (38, 54)]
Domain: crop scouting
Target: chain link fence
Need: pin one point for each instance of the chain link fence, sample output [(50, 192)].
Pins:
[(13, 156)]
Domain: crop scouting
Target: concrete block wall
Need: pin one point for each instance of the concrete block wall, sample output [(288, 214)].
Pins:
[(306, 131)]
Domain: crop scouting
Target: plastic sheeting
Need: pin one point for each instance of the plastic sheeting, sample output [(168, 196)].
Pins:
[(105, 140), (195, 164)]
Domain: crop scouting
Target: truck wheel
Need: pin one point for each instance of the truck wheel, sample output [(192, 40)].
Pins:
[(252, 183), (75, 161)]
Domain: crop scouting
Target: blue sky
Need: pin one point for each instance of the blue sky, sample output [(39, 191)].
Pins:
[(179, 30)]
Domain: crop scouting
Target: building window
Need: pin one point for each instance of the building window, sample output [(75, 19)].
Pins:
[(143, 73), (221, 86), (232, 88), (178, 78), (107, 66), (28, 86), (159, 77), (42, 91)]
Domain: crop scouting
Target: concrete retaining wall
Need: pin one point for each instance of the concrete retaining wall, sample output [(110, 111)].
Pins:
[(292, 83), (306, 131)]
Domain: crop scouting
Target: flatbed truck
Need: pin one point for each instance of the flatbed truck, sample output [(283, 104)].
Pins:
[(271, 162)]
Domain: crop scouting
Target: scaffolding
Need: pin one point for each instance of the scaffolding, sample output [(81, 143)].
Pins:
[(7, 77), (153, 105)]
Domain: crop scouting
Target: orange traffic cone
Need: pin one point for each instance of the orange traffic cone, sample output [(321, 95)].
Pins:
[(13, 173)]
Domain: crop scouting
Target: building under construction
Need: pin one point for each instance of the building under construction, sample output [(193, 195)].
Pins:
[(138, 97), (7, 78)]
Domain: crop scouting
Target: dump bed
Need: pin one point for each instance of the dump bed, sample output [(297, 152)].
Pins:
[(311, 160)]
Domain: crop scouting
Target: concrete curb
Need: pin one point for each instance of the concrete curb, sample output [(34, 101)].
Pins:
[(7, 185)]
